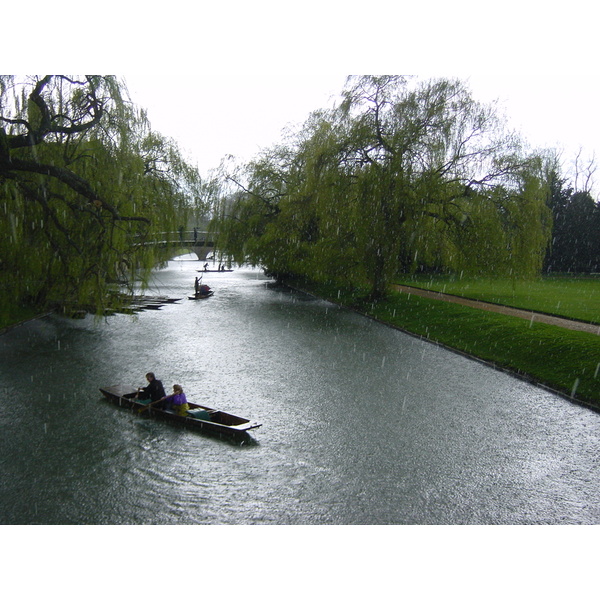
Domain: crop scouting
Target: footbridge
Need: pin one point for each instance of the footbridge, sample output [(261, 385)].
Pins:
[(202, 243)]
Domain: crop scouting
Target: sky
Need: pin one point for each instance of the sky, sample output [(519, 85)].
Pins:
[(242, 114), (227, 77)]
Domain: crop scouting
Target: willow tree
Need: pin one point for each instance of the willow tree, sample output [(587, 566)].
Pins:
[(245, 216), (422, 157), (84, 186), (276, 215), (402, 174)]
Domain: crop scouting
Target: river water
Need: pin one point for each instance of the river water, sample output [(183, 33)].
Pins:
[(362, 424)]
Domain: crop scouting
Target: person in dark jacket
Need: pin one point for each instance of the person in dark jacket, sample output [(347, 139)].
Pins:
[(154, 390)]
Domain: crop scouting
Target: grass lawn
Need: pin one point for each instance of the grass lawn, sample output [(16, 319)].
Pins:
[(564, 360), (572, 297)]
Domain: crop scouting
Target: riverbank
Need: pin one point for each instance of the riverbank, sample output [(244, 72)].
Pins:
[(563, 361), (531, 315), (126, 304), (575, 297), (8, 324)]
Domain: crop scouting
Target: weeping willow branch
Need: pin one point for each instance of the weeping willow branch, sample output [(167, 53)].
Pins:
[(76, 183)]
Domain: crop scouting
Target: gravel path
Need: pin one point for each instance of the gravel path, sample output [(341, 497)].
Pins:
[(505, 310)]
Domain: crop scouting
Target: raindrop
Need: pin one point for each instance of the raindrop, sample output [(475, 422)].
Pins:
[(383, 362), (575, 386), (597, 370)]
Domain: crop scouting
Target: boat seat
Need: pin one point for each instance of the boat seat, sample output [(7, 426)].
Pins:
[(199, 413)]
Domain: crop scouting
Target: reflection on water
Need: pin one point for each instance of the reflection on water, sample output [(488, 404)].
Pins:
[(361, 424)]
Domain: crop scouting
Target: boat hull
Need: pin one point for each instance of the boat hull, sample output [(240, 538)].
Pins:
[(213, 421), (201, 296)]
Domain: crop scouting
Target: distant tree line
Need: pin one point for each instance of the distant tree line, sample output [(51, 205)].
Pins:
[(401, 176), (575, 243), (84, 183)]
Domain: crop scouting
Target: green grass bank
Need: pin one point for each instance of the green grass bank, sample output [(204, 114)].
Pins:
[(563, 296), (563, 360)]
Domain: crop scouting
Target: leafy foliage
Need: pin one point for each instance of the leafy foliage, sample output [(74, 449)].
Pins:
[(575, 245), (85, 185), (398, 177)]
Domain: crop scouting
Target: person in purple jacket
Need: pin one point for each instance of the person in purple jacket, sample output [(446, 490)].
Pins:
[(177, 401)]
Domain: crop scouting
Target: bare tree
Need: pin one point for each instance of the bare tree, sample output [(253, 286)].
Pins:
[(584, 168)]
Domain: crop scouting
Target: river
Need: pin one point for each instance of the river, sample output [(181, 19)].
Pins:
[(362, 424)]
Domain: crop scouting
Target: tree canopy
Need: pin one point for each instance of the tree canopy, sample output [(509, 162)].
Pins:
[(401, 175), (575, 245), (84, 185)]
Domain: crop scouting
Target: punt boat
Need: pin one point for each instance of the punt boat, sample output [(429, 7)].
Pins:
[(201, 296), (203, 418)]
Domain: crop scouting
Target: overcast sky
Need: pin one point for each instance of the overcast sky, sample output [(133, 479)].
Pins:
[(226, 77), (240, 113)]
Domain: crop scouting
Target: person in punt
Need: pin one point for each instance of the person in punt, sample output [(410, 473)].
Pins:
[(177, 401), (154, 390)]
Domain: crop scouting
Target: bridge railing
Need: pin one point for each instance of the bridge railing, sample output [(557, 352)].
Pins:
[(182, 238)]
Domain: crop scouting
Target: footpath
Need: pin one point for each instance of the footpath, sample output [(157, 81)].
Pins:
[(505, 310)]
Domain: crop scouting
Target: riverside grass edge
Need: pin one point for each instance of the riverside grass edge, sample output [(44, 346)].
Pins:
[(562, 361)]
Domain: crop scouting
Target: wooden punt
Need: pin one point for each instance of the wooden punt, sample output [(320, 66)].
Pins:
[(203, 418), (201, 296)]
